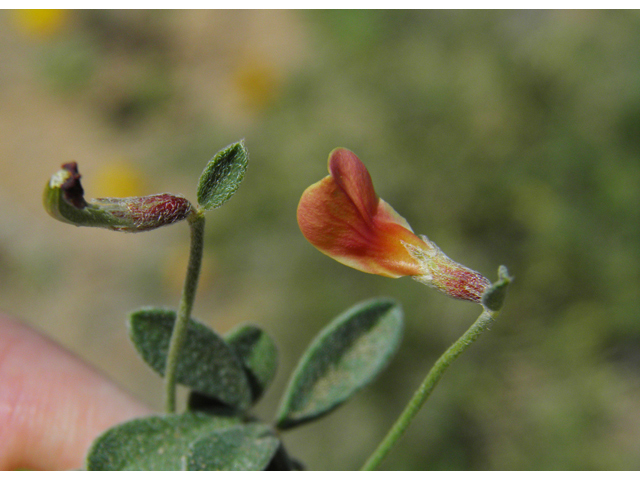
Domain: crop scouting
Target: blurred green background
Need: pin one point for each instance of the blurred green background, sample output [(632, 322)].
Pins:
[(505, 137)]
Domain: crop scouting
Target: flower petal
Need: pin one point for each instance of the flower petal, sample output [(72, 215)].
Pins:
[(354, 180), (337, 218), (386, 213)]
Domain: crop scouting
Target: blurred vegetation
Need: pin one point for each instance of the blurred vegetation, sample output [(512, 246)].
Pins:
[(506, 137)]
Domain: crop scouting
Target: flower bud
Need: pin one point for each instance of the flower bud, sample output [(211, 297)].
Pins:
[(343, 217), (64, 201)]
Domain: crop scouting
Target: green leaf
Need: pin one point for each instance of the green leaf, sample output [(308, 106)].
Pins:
[(242, 447), (494, 297), (342, 359), (258, 354), (222, 176), (152, 443), (207, 363)]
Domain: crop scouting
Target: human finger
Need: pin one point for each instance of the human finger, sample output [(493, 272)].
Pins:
[(52, 405)]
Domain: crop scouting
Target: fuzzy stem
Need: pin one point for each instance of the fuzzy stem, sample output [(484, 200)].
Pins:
[(196, 224), (421, 395)]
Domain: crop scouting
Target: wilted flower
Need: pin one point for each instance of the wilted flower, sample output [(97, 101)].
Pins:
[(343, 217), (64, 201)]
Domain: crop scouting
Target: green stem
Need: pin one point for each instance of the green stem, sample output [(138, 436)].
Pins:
[(196, 224), (483, 322)]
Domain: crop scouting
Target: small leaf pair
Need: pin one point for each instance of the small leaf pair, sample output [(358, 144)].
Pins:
[(235, 371)]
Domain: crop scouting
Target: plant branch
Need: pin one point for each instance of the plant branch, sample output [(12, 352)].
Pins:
[(196, 224)]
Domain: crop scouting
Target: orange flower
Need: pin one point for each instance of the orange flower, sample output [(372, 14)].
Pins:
[(343, 217)]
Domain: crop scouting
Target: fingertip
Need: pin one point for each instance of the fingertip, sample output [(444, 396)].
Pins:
[(52, 405)]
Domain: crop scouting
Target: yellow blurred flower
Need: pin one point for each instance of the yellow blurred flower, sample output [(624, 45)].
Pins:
[(40, 23), (257, 83), (118, 179)]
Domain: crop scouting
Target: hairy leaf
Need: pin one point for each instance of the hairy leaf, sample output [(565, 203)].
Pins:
[(342, 359), (259, 355), (207, 363), (241, 447), (222, 176), (152, 443)]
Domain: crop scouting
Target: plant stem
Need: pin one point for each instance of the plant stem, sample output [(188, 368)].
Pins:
[(483, 322), (196, 224)]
